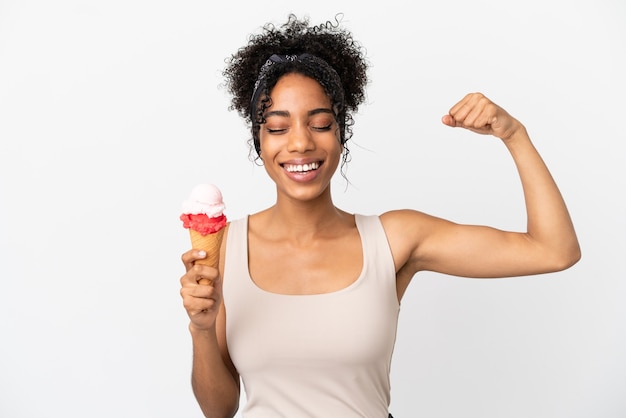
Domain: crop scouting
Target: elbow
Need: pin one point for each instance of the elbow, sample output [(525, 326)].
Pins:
[(577, 255), (570, 261), (567, 258), (574, 254)]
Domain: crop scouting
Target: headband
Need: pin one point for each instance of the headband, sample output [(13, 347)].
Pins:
[(274, 59)]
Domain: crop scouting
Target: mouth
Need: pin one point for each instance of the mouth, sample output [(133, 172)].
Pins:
[(302, 168)]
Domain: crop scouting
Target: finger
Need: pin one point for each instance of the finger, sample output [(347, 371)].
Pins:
[(480, 115), (198, 274), (191, 256), (195, 297), (202, 292), (448, 120), (461, 103), (468, 109), (207, 280), (195, 306), (204, 274)]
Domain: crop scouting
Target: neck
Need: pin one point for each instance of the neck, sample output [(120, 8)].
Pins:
[(304, 219)]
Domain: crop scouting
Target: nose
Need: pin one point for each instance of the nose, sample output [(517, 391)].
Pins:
[(300, 139)]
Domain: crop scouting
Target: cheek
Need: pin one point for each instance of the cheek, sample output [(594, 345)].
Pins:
[(336, 154), (265, 143), (269, 147)]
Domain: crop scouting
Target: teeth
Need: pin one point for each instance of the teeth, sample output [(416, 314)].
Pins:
[(302, 167)]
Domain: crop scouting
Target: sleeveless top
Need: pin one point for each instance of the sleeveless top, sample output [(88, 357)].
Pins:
[(320, 355)]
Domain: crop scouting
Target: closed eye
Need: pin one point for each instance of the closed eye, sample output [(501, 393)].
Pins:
[(322, 128), (275, 131)]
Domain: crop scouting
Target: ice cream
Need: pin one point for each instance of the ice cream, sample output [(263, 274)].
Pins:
[(203, 215)]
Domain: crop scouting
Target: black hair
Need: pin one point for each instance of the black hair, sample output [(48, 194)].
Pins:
[(329, 42)]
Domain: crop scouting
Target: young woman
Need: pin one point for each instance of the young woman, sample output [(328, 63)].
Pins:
[(304, 306)]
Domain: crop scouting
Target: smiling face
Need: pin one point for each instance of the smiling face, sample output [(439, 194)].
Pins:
[(300, 144)]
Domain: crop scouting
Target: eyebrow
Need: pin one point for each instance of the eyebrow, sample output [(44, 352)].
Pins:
[(285, 113)]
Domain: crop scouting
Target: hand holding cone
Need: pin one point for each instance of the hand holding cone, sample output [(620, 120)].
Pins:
[(203, 216)]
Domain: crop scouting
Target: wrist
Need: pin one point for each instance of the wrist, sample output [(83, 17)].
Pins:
[(201, 332), (517, 134)]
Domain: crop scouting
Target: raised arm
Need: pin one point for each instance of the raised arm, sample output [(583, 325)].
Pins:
[(423, 242)]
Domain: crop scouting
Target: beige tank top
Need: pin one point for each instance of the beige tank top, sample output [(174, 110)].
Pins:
[(325, 355)]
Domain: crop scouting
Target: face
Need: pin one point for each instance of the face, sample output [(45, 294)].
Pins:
[(300, 144)]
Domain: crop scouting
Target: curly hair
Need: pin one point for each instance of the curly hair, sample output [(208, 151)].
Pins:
[(328, 43)]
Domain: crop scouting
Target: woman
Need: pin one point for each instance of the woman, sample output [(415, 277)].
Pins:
[(305, 303)]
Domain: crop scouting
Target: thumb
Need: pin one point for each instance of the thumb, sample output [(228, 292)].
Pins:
[(449, 120)]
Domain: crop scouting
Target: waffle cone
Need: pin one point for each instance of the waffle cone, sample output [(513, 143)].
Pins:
[(210, 243)]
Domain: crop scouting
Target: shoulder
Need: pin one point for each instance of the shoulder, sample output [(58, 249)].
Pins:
[(412, 226), (408, 230), (398, 221)]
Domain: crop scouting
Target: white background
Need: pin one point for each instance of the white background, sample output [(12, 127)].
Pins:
[(111, 111)]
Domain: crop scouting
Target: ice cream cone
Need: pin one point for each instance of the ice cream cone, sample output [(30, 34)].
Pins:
[(210, 243), (203, 215)]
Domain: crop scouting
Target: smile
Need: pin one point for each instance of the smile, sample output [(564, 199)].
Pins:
[(301, 168)]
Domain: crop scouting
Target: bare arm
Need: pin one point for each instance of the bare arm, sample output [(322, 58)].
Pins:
[(215, 380), (422, 242)]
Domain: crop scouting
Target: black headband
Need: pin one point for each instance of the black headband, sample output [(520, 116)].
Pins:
[(274, 59)]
